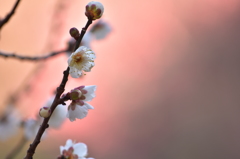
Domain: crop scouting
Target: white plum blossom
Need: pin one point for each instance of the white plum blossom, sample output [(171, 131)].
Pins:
[(81, 60), (79, 108), (9, 123), (74, 150), (58, 116)]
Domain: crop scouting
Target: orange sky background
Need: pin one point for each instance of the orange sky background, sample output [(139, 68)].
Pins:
[(167, 76)]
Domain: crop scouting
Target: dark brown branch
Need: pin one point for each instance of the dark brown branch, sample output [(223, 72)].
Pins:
[(56, 101), (9, 15), (17, 149), (89, 22), (37, 58)]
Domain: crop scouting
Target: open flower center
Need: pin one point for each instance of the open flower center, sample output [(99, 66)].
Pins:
[(68, 154), (78, 58)]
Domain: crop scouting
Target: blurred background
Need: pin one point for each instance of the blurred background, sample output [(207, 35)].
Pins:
[(167, 77)]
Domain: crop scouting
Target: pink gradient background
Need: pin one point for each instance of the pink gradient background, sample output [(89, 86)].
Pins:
[(167, 76)]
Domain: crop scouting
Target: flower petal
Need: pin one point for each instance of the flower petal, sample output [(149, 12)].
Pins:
[(88, 105), (90, 92), (75, 73), (80, 149), (89, 56), (88, 66), (69, 143), (61, 149), (81, 49), (79, 112)]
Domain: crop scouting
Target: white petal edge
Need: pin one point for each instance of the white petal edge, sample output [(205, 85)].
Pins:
[(90, 92), (80, 149), (79, 112), (88, 105)]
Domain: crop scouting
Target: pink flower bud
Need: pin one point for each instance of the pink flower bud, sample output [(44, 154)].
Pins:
[(45, 112), (94, 10), (74, 33)]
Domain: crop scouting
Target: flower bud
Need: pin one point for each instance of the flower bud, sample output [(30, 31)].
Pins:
[(94, 10), (45, 112), (75, 94), (74, 33)]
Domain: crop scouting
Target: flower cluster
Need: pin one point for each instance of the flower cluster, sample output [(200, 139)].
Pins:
[(54, 112), (78, 107)]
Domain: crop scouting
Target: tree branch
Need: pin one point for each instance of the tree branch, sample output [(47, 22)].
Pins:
[(37, 58), (57, 100), (9, 15)]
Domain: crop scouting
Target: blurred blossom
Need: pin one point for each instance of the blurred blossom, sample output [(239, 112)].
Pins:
[(9, 123), (73, 150), (87, 39), (79, 108), (58, 115), (100, 30), (81, 60), (31, 127)]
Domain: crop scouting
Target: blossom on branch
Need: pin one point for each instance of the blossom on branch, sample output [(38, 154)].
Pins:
[(81, 60), (58, 115), (45, 112), (78, 107), (94, 10), (9, 123), (73, 150)]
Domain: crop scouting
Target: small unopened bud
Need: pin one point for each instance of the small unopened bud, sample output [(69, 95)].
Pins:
[(94, 10), (74, 33), (45, 112), (75, 94)]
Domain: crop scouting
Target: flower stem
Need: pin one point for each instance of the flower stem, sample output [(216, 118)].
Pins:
[(89, 22)]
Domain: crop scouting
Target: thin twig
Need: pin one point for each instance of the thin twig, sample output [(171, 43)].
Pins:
[(57, 100), (9, 15), (36, 58), (18, 148), (89, 22)]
